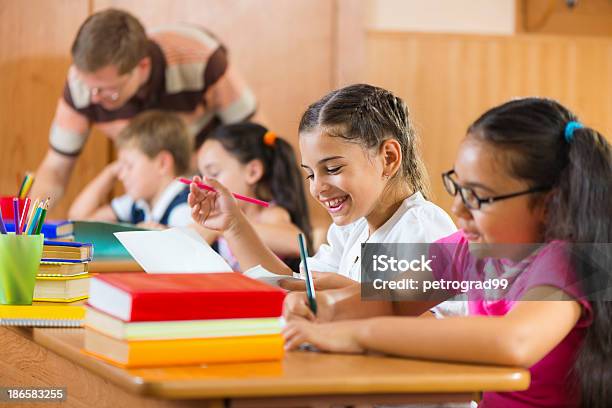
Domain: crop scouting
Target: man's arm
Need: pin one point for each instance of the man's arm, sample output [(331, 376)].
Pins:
[(52, 176), (67, 137)]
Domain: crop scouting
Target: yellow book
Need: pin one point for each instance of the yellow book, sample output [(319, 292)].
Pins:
[(61, 288), (62, 269), (42, 316), (155, 353)]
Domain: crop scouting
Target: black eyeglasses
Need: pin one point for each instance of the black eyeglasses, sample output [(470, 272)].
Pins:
[(470, 198)]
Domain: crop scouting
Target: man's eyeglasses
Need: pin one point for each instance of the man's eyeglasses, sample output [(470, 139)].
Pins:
[(111, 92), (470, 198)]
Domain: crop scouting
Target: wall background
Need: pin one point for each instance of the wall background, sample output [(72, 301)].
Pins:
[(449, 59)]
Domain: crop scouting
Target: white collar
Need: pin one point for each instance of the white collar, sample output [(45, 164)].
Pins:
[(401, 210), (166, 197)]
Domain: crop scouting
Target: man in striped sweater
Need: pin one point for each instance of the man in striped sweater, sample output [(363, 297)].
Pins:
[(119, 71)]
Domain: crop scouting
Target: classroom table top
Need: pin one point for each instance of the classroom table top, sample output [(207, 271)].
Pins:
[(114, 265), (299, 373)]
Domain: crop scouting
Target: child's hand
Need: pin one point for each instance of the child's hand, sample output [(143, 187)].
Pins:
[(331, 280), (112, 169), (321, 281), (292, 284), (337, 337), (296, 307), (217, 211)]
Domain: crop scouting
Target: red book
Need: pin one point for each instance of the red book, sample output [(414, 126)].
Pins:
[(134, 297)]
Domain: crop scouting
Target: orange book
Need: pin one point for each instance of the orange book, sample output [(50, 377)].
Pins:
[(155, 353)]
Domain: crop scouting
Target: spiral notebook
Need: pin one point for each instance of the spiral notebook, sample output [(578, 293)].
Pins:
[(42, 315)]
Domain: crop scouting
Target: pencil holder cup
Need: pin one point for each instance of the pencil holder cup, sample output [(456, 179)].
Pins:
[(19, 262), (6, 204)]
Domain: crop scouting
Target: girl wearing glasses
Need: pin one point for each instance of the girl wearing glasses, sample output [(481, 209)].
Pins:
[(527, 172)]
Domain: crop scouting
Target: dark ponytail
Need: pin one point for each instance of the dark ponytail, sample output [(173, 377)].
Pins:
[(582, 211), (577, 166), (281, 181)]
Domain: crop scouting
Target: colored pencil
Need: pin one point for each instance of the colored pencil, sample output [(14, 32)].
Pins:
[(2, 226), (16, 215), (310, 289), (238, 196), (24, 214)]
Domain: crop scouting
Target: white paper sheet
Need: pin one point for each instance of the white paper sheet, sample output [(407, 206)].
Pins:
[(262, 274), (175, 250)]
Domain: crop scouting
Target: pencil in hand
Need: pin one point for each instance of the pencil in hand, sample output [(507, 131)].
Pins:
[(310, 289), (237, 196)]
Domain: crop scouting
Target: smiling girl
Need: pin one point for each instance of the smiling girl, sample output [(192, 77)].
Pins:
[(360, 157)]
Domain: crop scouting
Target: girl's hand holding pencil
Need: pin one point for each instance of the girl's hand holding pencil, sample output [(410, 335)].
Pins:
[(337, 337), (215, 210), (206, 187), (297, 307)]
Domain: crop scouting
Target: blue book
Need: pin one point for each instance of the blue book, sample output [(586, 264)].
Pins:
[(50, 229), (68, 252), (66, 243), (64, 260)]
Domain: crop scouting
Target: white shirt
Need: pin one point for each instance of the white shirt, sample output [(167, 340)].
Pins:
[(180, 214), (415, 221)]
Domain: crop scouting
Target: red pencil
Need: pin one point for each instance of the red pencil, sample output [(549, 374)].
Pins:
[(26, 207), (238, 196)]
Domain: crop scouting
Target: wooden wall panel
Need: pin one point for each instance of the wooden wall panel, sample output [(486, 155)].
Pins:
[(449, 80), (586, 17), (350, 40), (34, 56), (283, 48)]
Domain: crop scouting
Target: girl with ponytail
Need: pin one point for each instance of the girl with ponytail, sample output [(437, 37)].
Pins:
[(253, 161), (527, 172), (359, 155)]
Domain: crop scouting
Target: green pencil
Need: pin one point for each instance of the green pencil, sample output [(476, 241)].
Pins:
[(41, 221)]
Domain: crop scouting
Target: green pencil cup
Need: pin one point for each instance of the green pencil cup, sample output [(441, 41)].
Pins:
[(19, 262)]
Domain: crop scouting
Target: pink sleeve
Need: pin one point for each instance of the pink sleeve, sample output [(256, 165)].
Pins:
[(450, 257), (553, 267)]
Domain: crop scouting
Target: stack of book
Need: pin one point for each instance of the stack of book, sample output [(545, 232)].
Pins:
[(148, 320), (63, 274), (56, 230)]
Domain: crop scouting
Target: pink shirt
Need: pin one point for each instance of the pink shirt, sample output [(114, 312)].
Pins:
[(551, 381)]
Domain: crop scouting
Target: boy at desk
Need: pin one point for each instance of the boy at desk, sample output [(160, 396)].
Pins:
[(153, 150)]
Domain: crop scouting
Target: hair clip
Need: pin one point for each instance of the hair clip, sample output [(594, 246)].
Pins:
[(269, 138), (569, 130)]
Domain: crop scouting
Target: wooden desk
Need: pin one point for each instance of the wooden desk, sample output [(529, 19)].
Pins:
[(52, 357), (114, 265)]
